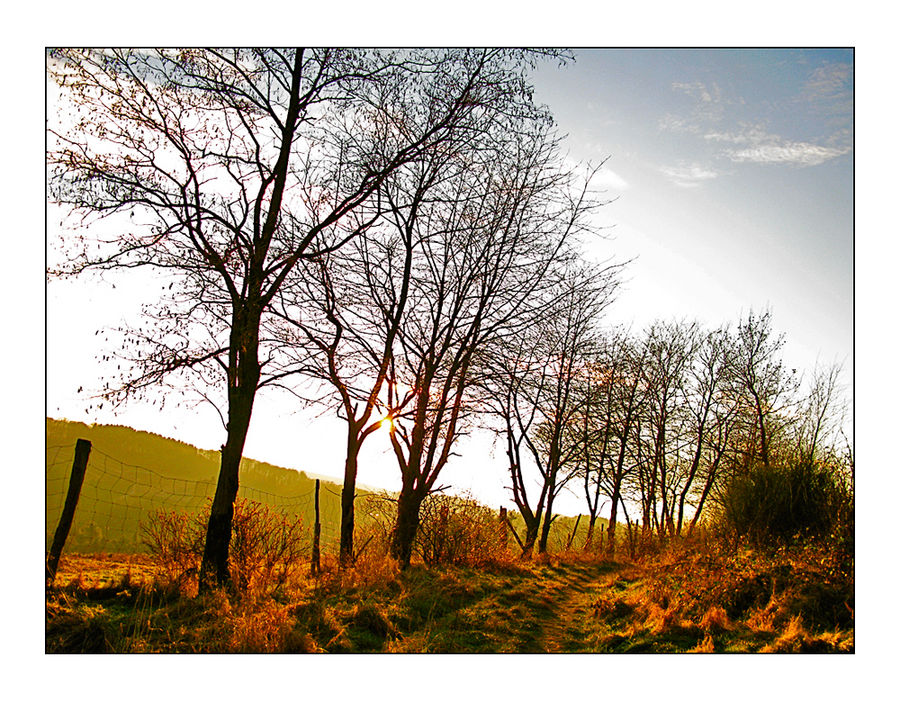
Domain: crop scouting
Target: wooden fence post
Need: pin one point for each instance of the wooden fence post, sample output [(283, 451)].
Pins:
[(572, 536), (82, 453), (314, 566)]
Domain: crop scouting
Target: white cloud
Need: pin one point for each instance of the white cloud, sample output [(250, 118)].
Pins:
[(827, 91), (830, 83), (690, 176), (709, 106), (748, 134), (699, 91), (762, 147), (602, 179), (791, 153), (674, 123), (608, 179)]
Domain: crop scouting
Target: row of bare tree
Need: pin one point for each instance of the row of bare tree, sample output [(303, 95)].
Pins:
[(660, 421)]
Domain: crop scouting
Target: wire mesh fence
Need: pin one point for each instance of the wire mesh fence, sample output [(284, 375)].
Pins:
[(119, 499)]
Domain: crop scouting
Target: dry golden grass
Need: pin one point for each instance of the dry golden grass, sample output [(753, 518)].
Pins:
[(706, 646), (690, 597), (715, 619)]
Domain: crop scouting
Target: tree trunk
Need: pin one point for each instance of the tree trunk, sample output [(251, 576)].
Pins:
[(406, 526), (611, 529), (243, 382), (214, 567), (548, 521), (710, 479), (589, 539), (348, 496), (531, 536)]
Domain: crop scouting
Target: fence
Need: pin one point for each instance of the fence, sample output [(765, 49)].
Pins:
[(116, 498)]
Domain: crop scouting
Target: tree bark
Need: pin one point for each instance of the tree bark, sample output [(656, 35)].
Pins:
[(214, 567), (611, 529), (348, 496), (589, 539), (548, 520), (531, 536), (243, 380), (406, 526)]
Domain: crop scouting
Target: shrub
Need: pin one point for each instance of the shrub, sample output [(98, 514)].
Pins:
[(376, 514), (265, 548), (459, 530), (778, 502)]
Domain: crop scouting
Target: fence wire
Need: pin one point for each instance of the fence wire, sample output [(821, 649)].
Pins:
[(119, 499)]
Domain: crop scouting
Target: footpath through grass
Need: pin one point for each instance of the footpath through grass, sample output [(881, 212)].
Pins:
[(680, 601)]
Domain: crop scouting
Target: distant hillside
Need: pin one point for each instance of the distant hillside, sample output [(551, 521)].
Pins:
[(132, 474)]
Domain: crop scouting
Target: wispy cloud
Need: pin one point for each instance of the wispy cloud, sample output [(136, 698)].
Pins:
[(830, 87), (674, 123), (790, 152), (711, 115), (689, 176), (708, 108), (761, 147)]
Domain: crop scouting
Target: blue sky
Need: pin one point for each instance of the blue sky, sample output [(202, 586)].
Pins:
[(732, 173)]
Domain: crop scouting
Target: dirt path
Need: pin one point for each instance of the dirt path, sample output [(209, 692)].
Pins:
[(566, 630)]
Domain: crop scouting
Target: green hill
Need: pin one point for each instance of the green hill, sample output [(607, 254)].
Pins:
[(133, 474)]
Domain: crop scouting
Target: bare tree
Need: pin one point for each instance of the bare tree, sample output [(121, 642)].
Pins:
[(486, 255), (597, 429), (515, 372), (820, 412), (535, 385), (341, 318), (365, 294), (570, 340), (766, 387), (710, 410), (628, 382), (226, 168), (669, 348)]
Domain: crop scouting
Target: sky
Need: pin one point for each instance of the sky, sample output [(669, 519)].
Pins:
[(730, 180)]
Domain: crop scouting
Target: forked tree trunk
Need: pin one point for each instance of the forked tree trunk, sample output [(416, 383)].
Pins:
[(548, 521), (611, 529), (531, 536)]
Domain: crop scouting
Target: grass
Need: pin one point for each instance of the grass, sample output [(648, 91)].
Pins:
[(689, 597)]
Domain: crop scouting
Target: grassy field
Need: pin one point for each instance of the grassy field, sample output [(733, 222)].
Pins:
[(133, 475), (690, 598)]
